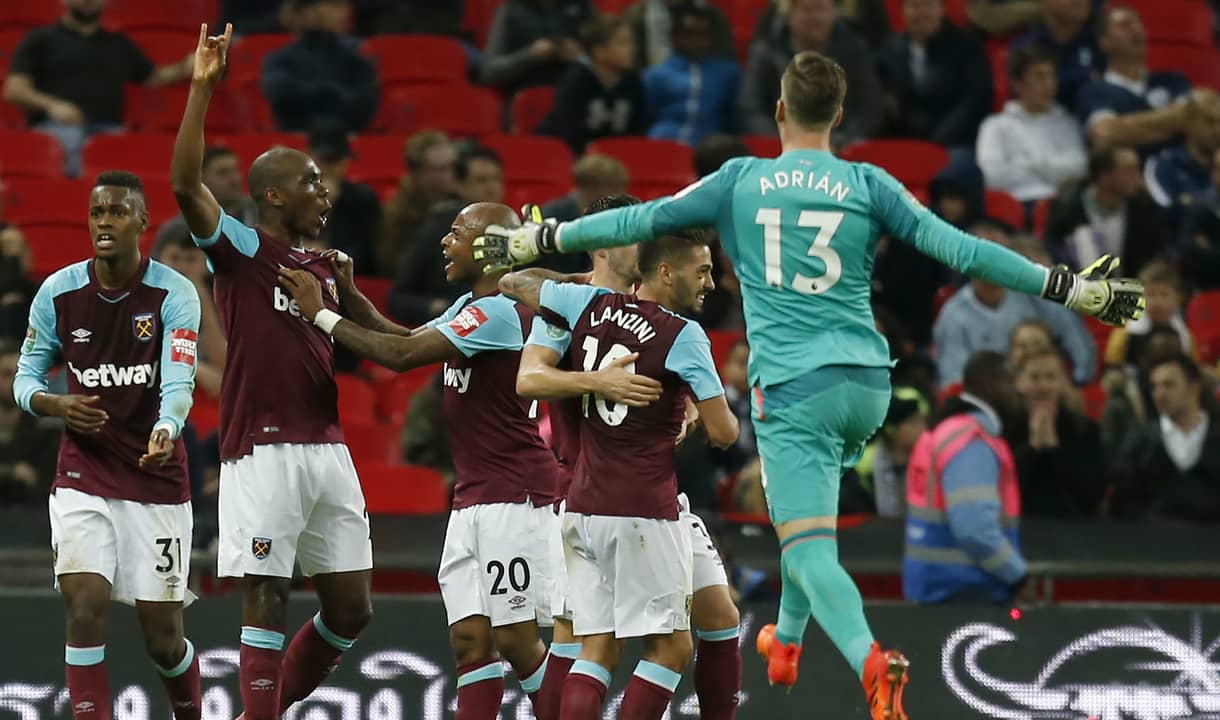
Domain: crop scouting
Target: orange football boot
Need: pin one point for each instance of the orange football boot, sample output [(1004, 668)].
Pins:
[(885, 677), (782, 660)]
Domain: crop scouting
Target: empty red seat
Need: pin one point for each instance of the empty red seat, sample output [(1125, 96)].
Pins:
[(128, 15), (1200, 64), (1004, 207), (27, 153), (532, 158), (377, 290), (416, 59), (403, 489), (166, 46), (55, 246), (656, 167), (1099, 331), (743, 16), (248, 146), (531, 106), (477, 17), (722, 344), (1176, 21), (1203, 319), (248, 51), (997, 55), (395, 394), (536, 193), (47, 201), (145, 154), (205, 414), (460, 110), (377, 158), (18, 15), (912, 162), (160, 110), (9, 39), (357, 400), (763, 146), (372, 443)]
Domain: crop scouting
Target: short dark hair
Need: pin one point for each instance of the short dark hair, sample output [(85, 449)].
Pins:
[(1189, 368), (215, 152), (689, 10), (1103, 158), (1026, 56), (472, 153), (1103, 18), (982, 370), (667, 248), (609, 202), (715, 150), (597, 32), (813, 87), (120, 178)]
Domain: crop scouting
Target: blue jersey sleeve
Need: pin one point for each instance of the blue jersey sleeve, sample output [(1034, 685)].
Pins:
[(567, 300), (242, 237), (179, 346), (449, 313), (972, 500), (690, 358), (700, 204), (544, 334), (38, 350), (899, 214), (487, 324)]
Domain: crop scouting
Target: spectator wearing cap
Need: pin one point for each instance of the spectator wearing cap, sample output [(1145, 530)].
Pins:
[(603, 97), (1066, 29), (355, 214), (883, 467), (937, 78), (222, 175), (322, 76), (692, 93), (1030, 148), (1180, 174), (430, 159), (1129, 105), (653, 22)]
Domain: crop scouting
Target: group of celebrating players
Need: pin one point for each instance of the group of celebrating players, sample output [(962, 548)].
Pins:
[(588, 536)]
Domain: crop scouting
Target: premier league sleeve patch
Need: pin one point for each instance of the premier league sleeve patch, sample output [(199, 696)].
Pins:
[(143, 326)]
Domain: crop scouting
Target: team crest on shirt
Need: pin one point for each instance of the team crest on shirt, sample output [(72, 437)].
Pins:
[(142, 326), (333, 288), (261, 547)]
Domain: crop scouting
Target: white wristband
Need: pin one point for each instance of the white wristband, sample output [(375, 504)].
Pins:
[(327, 320)]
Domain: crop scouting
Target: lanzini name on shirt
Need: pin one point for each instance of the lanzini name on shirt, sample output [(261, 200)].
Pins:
[(806, 181), (631, 322)]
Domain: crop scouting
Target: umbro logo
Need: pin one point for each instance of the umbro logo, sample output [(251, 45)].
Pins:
[(81, 335), (84, 706), (262, 684)]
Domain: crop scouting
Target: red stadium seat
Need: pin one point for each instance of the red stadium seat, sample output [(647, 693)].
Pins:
[(533, 163), (913, 162), (1200, 64), (943, 293), (18, 15), (129, 15), (416, 59), (46, 201), (722, 344), (55, 246), (1203, 319), (11, 116), (146, 154), (744, 16), (160, 110), (460, 110), (205, 414), (1100, 332), (1094, 400), (27, 153), (246, 55), (357, 400), (251, 104), (763, 146), (536, 193), (372, 443), (997, 55), (530, 107), (1005, 208), (377, 158), (9, 40), (377, 290), (1176, 21), (248, 146), (166, 46), (656, 167), (395, 394), (477, 18), (1042, 212), (403, 490)]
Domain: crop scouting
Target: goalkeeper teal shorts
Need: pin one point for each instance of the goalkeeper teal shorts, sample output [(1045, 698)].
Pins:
[(811, 430)]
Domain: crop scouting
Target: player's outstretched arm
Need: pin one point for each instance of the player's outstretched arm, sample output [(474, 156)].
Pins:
[(199, 207), (525, 286)]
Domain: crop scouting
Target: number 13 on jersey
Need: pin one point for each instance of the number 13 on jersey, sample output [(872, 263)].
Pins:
[(826, 223)]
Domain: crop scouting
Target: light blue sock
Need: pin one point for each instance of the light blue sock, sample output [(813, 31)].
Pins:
[(658, 675), (533, 683), (813, 564), (592, 669), (571, 651), (83, 656), (262, 638), (338, 642), (182, 666)]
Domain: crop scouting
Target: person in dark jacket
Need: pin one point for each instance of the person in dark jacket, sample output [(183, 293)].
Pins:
[(937, 78), (322, 76), (1170, 466), (601, 98), (1057, 450), (28, 445), (1111, 212), (1200, 236), (1067, 28), (653, 23), (533, 42), (355, 214)]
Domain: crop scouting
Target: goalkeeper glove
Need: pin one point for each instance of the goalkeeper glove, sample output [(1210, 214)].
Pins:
[(1093, 292), (504, 247)]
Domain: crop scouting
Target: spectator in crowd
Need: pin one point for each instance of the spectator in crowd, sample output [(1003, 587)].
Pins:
[(425, 436), (533, 42), (692, 93), (1170, 466), (1029, 337), (737, 392), (16, 288), (1057, 450), (222, 175), (421, 18), (28, 445), (322, 75), (1130, 105), (420, 291), (1163, 295), (257, 16), (70, 77), (1033, 145), (937, 78), (956, 193), (595, 176), (430, 160), (1180, 172), (811, 25), (883, 467), (1003, 17), (981, 316), (1066, 29), (1111, 212), (1200, 236), (1128, 389), (715, 150), (654, 24), (355, 213), (963, 498), (180, 253), (601, 98)]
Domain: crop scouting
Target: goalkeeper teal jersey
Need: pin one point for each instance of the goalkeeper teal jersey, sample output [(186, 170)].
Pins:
[(801, 231)]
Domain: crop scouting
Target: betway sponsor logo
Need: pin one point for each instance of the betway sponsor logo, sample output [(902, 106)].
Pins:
[(285, 303), (457, 378), (108, 375)]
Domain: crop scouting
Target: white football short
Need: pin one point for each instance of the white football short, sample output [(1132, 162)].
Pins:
[(708, 567), (627, 575), (292, 501), (142, 549), (558, 567), (495, 563)]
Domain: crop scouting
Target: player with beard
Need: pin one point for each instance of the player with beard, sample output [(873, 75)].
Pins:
[(543, 376), (288, 488), (624, 541), (494, 574)]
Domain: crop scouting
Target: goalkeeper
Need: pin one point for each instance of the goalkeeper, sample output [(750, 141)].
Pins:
[(801, 231)]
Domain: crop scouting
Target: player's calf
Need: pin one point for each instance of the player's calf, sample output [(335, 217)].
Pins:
[(520, 645), (86, 596), (584, 689), (262, 644), (480, 683), (656, 677), (173, 655), (317, 647), (718, 656)]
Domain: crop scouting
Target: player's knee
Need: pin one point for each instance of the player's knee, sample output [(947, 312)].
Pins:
[(671, 651), (164, 646), (351, 619), (602, 649), (85, 615), (471, 640), (265, 601), (713, 609)]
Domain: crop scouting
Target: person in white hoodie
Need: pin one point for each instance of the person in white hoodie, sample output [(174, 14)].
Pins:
[(1030, 148)]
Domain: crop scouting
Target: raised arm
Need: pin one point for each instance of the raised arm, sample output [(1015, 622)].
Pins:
[(199, 207)]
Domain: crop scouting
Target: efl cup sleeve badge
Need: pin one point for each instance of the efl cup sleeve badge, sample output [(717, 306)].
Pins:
[(31, 339), (183, 346), (261, 547), (467, 321), (142, 326), (333, 288)]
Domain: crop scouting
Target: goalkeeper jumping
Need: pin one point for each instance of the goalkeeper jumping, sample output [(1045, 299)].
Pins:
[(801, 231)]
